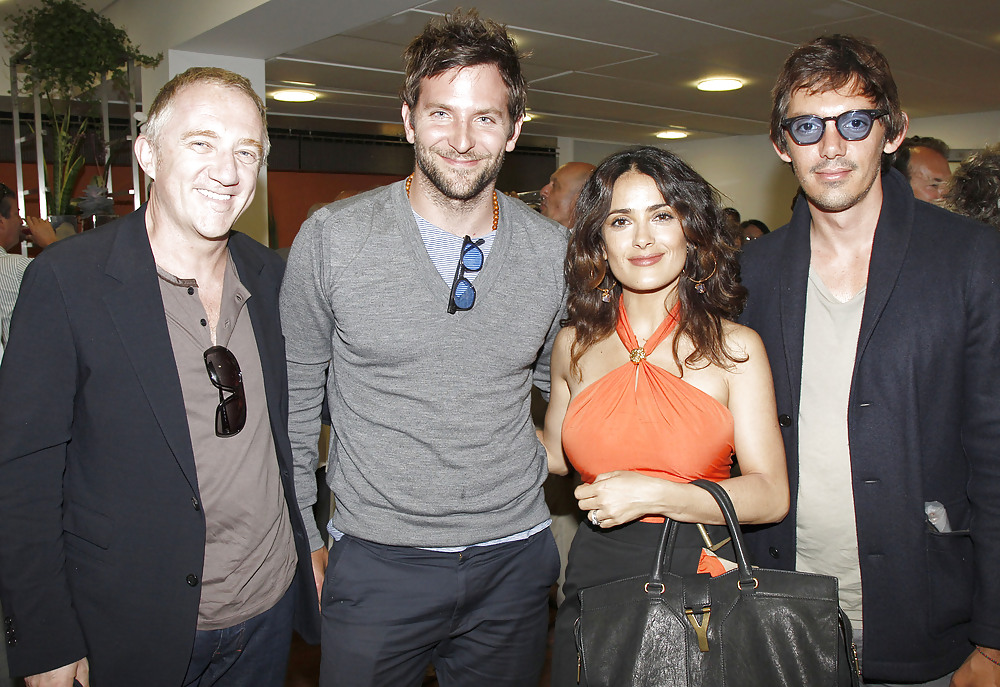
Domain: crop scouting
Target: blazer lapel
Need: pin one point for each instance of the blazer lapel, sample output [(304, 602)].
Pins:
[(892, 238), (263, 281), (136, 308), (793, 269)]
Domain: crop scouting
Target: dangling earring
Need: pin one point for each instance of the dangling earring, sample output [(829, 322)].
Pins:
[(699, 284), (605, 295)]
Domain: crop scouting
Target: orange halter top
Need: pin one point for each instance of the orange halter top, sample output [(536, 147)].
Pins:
[(642, 418)]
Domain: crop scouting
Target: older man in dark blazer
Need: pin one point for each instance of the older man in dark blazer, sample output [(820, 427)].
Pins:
[(881, 318), (145, 470)]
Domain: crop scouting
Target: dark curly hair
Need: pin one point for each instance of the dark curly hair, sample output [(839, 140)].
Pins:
[(975, 187), (711, 257)]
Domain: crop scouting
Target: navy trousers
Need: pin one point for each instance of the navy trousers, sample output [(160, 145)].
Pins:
[(479, 616), (254, 652)]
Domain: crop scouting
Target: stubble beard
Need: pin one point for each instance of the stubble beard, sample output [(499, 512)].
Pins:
[(457, 186), (835, 199)]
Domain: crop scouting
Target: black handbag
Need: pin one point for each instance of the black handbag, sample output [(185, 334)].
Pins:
[(745, 628)]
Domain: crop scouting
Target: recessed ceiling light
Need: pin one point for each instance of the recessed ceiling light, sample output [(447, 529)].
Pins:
[(672, 133), (527, 117), (294, 96), (719, 85)]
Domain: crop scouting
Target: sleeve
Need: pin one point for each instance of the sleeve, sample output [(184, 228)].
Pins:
[(981, 435), (307, 322), (38, 385), (543, 366)]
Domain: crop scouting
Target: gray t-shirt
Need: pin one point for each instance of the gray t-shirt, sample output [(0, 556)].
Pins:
[(826, 530)]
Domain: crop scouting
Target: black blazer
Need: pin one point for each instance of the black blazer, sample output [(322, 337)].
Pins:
[(102, 542), (923, 423)]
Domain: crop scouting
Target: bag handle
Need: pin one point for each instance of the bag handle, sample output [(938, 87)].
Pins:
[(732, 522), (665, 550)]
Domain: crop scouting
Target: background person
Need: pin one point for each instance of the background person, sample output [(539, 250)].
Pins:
[(751, 230), (559, 195), (975, 187), (923, 160), (653, 386), (12, 265)]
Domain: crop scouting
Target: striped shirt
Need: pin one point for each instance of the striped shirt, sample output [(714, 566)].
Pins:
[(11, 272), (444, 248)]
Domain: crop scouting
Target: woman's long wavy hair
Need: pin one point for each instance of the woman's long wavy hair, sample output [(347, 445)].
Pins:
[(711, 258)]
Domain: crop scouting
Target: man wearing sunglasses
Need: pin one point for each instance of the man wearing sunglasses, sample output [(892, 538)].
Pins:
[(881, 317), (431, 304), (150, 534)]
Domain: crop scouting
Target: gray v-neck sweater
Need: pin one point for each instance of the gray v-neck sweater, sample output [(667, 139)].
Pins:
[(432, 441)]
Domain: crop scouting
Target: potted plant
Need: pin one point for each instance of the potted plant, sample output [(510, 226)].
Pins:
[(65, 50)]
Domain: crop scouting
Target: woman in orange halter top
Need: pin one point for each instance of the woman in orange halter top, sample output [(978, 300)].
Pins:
[(652, 384)]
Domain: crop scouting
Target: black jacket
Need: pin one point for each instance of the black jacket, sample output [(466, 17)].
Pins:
[(103, 538), (923, 423)]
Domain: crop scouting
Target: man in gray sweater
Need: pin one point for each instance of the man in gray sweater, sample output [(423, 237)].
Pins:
[(425, 310)]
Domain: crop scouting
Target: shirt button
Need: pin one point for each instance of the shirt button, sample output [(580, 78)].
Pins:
[(194, 502), (204, 322), (190, 290), (773, 552), (783, 419), (192, 580)]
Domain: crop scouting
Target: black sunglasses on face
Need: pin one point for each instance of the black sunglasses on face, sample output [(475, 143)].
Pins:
[(224, 373), (853, 125), (463, 296)]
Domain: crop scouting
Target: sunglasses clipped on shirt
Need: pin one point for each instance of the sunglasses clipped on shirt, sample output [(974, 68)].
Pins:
[(224, 373), (853, 125), (463, 296)]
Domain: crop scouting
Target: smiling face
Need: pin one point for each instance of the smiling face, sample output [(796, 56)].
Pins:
[(204, 162), (643, 238), (836, 174), (460, 130)]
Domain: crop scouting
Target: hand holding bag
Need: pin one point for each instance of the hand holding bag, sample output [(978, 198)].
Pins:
[(745, 628)]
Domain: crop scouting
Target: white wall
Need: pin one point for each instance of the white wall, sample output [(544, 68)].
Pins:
[(970, 131)]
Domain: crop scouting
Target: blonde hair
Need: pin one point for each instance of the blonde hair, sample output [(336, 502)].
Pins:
[(159, 112)]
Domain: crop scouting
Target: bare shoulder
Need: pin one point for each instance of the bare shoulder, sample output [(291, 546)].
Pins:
[(743, 342), (563, 345)]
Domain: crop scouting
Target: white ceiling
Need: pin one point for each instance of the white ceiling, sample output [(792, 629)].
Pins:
[(619, 71)]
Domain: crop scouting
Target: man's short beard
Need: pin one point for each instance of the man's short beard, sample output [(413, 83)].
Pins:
[(832, 201), (447, 186)]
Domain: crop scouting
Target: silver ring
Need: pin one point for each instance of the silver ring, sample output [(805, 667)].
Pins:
[(593, 518)]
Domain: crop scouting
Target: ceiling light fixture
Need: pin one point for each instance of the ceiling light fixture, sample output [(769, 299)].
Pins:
[(294, 96), (672, 133), (727, 84), (527, 117)]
